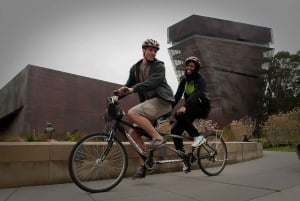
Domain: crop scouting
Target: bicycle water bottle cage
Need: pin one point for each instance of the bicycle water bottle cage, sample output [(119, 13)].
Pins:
[(113, 110)]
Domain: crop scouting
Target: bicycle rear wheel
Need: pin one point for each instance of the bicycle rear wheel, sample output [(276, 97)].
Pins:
[(212, 155), (96, 164)]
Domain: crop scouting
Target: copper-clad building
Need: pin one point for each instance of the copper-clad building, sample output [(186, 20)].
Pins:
[(70, 102), (232, 56)]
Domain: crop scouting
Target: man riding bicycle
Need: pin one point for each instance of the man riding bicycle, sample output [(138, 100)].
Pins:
[(147, 78)]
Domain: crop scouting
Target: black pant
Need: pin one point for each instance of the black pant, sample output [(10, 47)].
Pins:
[(184, 123)]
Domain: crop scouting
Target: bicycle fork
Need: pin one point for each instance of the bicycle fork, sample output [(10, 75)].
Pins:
[(107, 148)]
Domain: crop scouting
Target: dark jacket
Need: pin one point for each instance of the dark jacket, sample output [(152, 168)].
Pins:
[(197, 102), (156, 81)]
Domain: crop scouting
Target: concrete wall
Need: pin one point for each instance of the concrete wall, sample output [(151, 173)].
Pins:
[(39, 163)]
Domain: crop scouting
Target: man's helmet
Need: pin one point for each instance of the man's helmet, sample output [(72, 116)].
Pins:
[(195, 60), (150, 43)]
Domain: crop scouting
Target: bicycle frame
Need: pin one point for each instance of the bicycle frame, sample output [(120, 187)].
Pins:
[(119, 125), (97, 154)]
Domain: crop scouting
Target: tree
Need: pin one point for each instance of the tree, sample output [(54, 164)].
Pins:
[(281, 92)]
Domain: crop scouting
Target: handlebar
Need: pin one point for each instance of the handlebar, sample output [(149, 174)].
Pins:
[(116, 92)]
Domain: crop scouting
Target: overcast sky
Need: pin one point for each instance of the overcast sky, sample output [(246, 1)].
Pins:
[(101, 39)]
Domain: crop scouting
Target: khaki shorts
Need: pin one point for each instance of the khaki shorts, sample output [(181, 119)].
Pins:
[(152, 108)]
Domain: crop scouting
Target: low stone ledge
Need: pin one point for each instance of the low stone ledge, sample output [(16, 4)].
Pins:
[(39, 163)]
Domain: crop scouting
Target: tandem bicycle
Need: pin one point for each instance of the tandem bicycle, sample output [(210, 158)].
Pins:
[(98, 162)]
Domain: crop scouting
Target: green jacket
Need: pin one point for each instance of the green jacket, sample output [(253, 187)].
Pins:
[(156, 81)]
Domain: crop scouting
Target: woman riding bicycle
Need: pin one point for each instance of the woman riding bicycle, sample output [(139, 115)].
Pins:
[(196, 105)]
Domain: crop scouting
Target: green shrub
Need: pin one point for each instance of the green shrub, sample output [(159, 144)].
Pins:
[(265, 143), (242, 127), (228, 134), (32, 137), (283, 128), (10, 138), (73, 137)]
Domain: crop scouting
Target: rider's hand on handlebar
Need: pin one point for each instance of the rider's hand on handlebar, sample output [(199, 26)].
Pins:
[(115, 98), (125, 91), (181, 110)]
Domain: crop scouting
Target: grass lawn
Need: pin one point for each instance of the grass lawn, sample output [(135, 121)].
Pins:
[(282, 148)]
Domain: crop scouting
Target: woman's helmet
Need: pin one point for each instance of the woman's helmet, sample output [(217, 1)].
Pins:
[(150, 43), (195, 60)]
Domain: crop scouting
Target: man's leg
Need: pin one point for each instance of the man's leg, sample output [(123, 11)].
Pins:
[(141, 115), (138, 139), (144, 123), (142, 171), (145, 113)]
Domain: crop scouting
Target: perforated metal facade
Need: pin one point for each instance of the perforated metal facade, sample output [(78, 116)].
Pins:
[(70, 102), (232, 55)]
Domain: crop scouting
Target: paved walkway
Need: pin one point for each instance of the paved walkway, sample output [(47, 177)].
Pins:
[(274, 177)]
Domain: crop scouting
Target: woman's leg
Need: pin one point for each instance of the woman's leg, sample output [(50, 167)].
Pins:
[(186, 122), (178, 130)]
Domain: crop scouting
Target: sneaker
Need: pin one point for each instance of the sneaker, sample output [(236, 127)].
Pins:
[(198, 141), (186, 166), (141, 173), (156, 143)]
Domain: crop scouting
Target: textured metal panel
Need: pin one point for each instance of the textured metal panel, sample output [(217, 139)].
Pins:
[(218, 28), (70, 102), (231, 53)]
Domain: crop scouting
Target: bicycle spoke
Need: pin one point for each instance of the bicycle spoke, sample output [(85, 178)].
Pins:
[(212, 155), (91, 169)]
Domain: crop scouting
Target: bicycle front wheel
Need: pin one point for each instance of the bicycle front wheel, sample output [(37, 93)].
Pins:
[(96, 164), (212, 155)]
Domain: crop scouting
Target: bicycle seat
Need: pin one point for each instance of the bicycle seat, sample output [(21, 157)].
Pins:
[(162, 119)]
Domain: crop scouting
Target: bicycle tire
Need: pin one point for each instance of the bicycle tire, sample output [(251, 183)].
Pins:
[(211, 163), (92, 170)]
